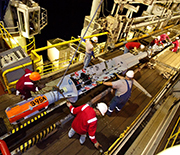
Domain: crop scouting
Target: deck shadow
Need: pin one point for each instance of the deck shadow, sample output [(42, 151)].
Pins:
[(129, 110)]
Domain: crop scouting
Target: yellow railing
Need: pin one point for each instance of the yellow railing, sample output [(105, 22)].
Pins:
[(31, 46), (10, 85), (174, 135), (67, 42), (52, 66), (36, 58), (7, 37)]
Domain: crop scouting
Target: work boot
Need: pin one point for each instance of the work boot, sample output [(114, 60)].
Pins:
[(109, 113), (82, 139), (71, 133), (117, 109)]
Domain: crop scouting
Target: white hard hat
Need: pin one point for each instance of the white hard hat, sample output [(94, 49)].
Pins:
[(142, 46), (102, 107), (95, 39), (177, 38), (168, 33), (158, 37), (130, 74)]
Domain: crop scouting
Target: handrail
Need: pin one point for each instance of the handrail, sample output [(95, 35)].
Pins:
[(174, 135), (67, 42), (10, 85), (4, 148), (32, 47), (8, 36)]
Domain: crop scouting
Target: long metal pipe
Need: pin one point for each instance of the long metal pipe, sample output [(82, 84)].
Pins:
[(152, 22)]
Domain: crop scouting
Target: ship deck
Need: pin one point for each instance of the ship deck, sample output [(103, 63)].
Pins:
[(109, 128)]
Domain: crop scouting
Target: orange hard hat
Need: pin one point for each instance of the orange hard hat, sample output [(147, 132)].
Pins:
[(35, 76)]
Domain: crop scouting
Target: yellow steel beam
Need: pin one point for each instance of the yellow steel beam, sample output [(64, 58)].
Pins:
[(67, 42)]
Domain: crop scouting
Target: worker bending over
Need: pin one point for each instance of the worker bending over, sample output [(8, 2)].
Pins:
[(155, 42), (176, 45), (86, 121), (164, 38), (123, 91), (27, 83), (133, 46)]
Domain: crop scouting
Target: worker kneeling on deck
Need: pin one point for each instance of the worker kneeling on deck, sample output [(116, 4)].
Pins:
[(27, 83), (123, 91), (86, 121)]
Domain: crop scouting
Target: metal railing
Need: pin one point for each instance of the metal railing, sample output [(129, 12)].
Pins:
[(29, 47), (174, 137), (6, 36), (10, 85), (44, 18), (50, 67)]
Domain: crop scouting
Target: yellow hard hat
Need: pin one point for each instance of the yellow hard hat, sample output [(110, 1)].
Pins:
[(35, 76)]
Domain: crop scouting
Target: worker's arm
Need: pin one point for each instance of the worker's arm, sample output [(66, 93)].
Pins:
[(92, 131), (119, 76), (107, 83), (75, 110), (135, 49)]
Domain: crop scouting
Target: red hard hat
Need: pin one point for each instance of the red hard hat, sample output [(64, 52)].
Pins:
[(35, 76)]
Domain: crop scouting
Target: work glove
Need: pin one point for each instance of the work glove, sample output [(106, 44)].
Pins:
[(115, 76), (99, 82), (17, 92), (97, 145), (37, 89)]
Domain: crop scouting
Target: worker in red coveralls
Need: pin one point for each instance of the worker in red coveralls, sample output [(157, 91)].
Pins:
[(27, 83), (133, 45), (155, 41), (86, 121), (164, 38), (176, 45)]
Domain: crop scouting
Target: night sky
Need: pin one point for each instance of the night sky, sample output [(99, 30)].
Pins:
[(65, 19)]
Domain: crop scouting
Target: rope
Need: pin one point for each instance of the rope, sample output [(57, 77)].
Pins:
[(79, 44)]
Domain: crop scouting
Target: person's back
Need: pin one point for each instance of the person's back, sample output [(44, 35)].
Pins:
[(27, 83), (25, 78), (131, 45), (85, 115)]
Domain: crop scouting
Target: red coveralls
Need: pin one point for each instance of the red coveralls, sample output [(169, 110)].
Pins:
[(163, 38), (131, 45), (85, 121), (25, 85), (155, 41), (176, 46)]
